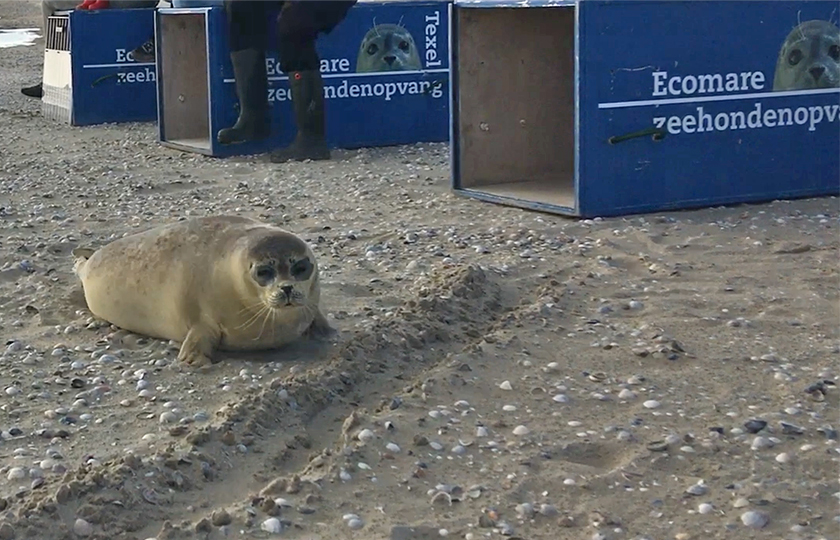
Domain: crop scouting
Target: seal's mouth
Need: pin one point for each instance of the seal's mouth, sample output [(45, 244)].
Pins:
[(283, 301)]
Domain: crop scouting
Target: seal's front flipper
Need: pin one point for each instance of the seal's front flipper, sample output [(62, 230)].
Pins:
[(198, 347), (320, 327), (80, 257), (83, 252)]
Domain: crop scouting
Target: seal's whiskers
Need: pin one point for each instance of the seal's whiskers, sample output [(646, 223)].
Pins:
[(252, 306), (268, 311), (799, 24), (253, 317)]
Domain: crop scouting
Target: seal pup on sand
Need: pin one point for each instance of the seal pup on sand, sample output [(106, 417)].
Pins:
[(213, 283), (809, 58)]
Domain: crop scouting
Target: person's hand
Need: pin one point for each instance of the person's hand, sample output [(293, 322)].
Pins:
[(94, 4)]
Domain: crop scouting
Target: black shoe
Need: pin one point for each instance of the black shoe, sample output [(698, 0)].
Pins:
[(251, 82), (308, 103), (145, 53), (36, 91)]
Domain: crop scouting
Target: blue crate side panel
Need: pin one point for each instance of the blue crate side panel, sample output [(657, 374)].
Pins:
[(158, 87), (362, 107), (454, 119), (108, 85), (221, 93), (725, 55)]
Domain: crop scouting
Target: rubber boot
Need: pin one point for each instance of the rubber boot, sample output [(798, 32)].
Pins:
[(36, 91), (308, 104), (145, 53), (251, 82)]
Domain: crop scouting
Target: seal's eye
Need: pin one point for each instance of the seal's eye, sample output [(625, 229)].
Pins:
[(794, 57), (373, 48), (265, 273), (834, 52), (302, 269), (403, 45)]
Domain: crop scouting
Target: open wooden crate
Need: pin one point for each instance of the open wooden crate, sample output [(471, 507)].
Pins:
[(567, 106)]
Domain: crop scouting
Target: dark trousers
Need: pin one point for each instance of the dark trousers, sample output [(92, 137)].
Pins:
[(298, 25)]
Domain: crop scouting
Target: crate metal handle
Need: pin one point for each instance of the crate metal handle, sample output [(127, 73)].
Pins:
[(103, 78), (657, 134)]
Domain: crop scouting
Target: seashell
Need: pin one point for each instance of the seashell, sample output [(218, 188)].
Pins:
[(697, 490), (754, 519), (150, 496), (791, 429), (525, 509), (754, 425), (658, 446), (828, 432), (598, 376), (521, 430), (272, 525)]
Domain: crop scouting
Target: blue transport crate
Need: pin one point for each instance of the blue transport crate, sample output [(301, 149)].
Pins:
[(368, 103), (605, 108), (90, 76)]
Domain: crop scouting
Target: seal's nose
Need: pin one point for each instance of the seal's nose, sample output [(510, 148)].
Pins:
[(816, 72), (389, 59), (287, 289)]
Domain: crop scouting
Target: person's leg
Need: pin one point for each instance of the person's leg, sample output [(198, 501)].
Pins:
[(48, 7), (248, 36), (145, 53), (297, 30)]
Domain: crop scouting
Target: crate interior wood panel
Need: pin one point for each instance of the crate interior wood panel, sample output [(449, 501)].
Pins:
[(185, 95), (516, 104)]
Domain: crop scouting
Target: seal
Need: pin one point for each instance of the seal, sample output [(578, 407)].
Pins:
[(387, 47), (212, 283), (809, 58)]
